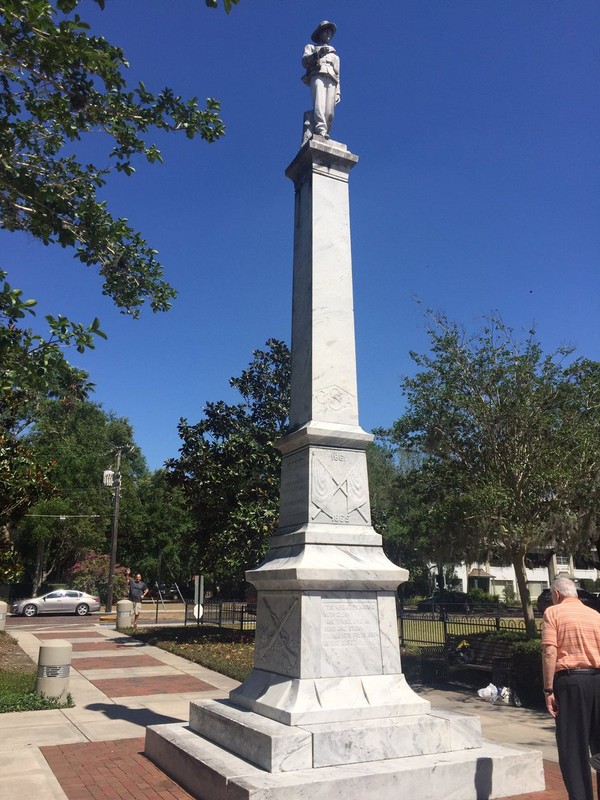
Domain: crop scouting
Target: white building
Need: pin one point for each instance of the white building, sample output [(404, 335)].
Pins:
[(494, 577)]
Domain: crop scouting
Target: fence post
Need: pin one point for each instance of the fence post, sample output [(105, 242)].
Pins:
[(498, 615), (400, 615), (220, 613)]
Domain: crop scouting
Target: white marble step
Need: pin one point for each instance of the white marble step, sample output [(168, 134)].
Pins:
[(210, 772)]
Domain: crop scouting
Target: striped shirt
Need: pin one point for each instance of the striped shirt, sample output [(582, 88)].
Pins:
[(574, 629)]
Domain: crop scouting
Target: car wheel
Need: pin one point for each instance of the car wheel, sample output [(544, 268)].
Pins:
[(30, 610), (82, 610)]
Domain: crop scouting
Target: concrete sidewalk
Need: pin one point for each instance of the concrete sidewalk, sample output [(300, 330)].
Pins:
[(120, 686)]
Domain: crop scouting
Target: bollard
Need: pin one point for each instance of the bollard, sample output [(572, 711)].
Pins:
[(3, 610), (54, 667), (124, 612)]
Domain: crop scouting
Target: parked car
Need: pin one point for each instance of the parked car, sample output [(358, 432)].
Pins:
[(587, 598), (61, 601), (167, 592), (446, 601)]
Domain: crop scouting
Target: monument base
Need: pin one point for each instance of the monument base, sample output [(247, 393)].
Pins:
[(227, 753)]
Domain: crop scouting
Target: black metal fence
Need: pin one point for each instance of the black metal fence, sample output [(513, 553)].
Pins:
[(224, 613), (434, 627), (414, 627)]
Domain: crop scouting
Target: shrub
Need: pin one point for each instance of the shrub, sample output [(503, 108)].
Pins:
[(91, 575), (510, 596), (527, 667), (479, 596)]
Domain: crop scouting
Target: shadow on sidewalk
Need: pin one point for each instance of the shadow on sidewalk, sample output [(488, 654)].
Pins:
[(138, 716)]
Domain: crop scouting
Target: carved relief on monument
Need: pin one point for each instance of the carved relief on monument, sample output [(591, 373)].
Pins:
[(339, 488), (335, 399), (278, 634)]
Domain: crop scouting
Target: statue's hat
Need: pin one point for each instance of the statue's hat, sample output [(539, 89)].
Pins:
[(322, 26)]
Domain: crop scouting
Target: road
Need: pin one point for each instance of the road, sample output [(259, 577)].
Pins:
[(42, 621), (173, 613)]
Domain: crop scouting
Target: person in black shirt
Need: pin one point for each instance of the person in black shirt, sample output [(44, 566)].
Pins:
[(137, 591)]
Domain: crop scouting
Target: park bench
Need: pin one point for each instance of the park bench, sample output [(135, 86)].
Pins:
[(490, 655)]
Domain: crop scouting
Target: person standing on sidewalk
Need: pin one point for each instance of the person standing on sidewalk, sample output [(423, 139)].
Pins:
[(571, 669), (137, 591)]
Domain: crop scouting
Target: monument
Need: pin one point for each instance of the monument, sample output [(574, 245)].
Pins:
[(326, 711)]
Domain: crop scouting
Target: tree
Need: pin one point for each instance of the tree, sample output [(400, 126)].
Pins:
[(162, 538), (229, 466), (511, 435), (415, 511), (91, 575), (32, 369), (58, 85), (75, 439)]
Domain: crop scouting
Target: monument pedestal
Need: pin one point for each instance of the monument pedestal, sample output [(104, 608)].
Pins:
[(229, 754), (326, 712)]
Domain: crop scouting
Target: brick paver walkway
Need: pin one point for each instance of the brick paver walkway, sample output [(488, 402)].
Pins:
[(119, 770), (68, 635), (115, 770), (555, 788), (115, 662), (158, 684), (78, 647)]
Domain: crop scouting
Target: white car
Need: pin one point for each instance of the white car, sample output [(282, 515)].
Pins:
[(61, 601)]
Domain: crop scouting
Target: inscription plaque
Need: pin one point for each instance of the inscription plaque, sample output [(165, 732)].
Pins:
[(350, 636)]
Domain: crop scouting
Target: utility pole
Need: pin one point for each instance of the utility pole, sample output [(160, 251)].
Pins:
[(113, 479)]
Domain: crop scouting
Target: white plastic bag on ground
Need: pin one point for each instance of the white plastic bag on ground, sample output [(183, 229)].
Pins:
[(489, 693), (499, 694)]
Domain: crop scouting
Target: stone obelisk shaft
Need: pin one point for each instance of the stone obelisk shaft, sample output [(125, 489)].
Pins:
[(323, 350), (326, 637)]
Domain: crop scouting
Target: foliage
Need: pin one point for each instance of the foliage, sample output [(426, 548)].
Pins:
[(17, 693), (527, 668), (161, 537), (32, 369), (509, 594), (227, 4), (480, 596), (18, 680), (91, 575), (78, 440), (510, 440), (416, 514), (59, 85), (61, 88), (11, 566), (228, 468), (221, 649)]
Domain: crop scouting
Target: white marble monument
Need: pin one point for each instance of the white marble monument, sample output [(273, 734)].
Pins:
[(326, 712)]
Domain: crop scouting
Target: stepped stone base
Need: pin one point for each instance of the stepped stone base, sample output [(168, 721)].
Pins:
[(227, 753)]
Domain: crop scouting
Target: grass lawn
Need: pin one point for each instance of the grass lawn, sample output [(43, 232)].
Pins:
[(17, 680), (230, 652)]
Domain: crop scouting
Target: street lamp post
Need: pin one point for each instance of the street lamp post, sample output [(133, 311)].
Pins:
[(113, 479)]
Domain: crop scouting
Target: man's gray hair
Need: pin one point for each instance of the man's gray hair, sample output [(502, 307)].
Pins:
[(565, 587)]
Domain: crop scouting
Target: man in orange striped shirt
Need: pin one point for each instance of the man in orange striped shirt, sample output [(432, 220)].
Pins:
[(571, 667)]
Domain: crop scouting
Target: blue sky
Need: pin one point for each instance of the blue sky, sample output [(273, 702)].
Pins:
[(477, 126)]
